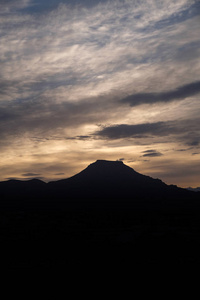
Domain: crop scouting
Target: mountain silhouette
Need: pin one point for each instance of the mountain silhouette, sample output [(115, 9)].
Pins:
[(105, 214), (113, 181), (197, 189), (102, 181), (106, 172)]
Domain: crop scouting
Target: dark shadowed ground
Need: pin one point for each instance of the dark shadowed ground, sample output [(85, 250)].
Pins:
[(106, 215)]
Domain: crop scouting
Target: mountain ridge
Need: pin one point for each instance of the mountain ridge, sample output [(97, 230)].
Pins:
[(103, 167), (108, 205), (101, 180), (102, 183)]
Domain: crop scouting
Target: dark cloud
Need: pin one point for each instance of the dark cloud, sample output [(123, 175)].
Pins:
[(194, 142), (44, 120), (180, 93), (151, 153), (148, 151), (30, 174), (41, 117), (131, 160), (186, 131), (57, 174), (28, 178), (136, 131), (183, 150), (80, 137)]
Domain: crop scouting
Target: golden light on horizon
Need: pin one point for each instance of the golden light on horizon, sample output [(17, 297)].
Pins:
[(115, 79)]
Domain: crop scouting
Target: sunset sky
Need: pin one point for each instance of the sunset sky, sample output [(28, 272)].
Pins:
[(88, 79)]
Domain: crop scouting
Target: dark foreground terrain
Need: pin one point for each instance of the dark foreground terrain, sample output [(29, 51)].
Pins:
[(106, 215)]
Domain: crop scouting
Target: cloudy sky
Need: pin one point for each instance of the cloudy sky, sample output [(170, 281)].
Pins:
[(87, 79)]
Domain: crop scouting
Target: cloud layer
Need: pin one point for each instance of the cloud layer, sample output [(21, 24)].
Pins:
[(95, 79), (180, 93), (187, 131)]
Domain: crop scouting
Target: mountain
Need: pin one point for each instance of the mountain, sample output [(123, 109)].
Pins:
[(194, 189), (108, 214), (101, 181), (106, 172), (115, 181)]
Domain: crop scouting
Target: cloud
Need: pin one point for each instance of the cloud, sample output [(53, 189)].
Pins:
[(89, 51), (151, 153), (121, 159), (180, 93), (66, 68), (183, 150), (43, 120), (80, 137), (186, 131), (195, 142), (30, 174), (135, 131), (57, 174), (8, 6), (26, 179)]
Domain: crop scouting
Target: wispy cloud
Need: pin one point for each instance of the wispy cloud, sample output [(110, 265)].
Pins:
[(67, 68), (77, 51), (10, 6)]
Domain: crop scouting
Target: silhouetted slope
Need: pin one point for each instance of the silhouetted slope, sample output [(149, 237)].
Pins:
[(17, 191), (194, 189), (105, 172), (108, 213), (107, 181), (13, 183), (110, 174), (112, 180)]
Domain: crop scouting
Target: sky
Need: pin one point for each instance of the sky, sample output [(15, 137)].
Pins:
[(87, 80)]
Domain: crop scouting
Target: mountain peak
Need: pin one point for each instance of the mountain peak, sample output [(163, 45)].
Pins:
[(107, 170), (103, 162)]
